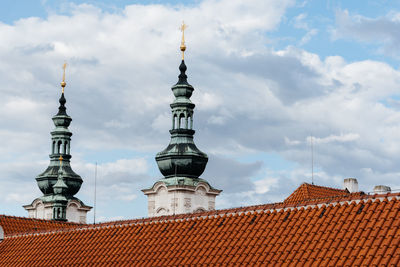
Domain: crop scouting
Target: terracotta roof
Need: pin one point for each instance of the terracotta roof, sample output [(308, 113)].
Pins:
[(13, 225), (351, 230), (307, 192)]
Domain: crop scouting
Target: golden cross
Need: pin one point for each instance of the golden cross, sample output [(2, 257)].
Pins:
[(183, 27), (63, 83), (60, 159), (183, 46)]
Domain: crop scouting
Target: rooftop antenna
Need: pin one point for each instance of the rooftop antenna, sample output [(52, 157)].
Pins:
[(312, 160), (95, 194)]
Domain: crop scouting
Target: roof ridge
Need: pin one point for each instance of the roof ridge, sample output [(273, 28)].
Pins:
[(88, 227), (323, 186), (306, 192), (37, 219)]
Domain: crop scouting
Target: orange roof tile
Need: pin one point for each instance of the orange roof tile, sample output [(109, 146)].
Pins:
[(341, 231), (306, 192), (13, 225)]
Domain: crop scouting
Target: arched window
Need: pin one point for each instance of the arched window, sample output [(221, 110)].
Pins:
[(65, 147), (59, 147), (161, 211), (174, 122), (53, 147), (181, 120), (200, 210), (186, 122), (190, 119)]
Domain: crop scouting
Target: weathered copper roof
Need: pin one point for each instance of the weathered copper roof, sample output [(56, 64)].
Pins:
[(182, 158)]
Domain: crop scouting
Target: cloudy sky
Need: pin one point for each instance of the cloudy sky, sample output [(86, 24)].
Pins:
[(269, 76)]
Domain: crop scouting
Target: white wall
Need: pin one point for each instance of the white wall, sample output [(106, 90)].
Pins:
[(178, 200), (75, 211)]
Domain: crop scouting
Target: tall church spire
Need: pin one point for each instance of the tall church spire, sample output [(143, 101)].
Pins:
[(181, 163), (49, 181), (182, 158)]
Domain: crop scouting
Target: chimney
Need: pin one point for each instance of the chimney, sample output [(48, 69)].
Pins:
[(350, 184), (382, 189), (1, 234)]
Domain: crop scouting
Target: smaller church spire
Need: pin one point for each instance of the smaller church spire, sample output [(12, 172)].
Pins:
[(60, 200), (61, 144), (60, 187), (59, 183)]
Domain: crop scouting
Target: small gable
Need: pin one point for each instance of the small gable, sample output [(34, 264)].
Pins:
[(306, 192)]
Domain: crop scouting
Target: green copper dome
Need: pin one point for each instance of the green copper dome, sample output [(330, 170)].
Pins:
[(182, 158), (61, 140)]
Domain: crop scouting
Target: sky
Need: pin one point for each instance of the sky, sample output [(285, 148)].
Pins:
[(269, 77)]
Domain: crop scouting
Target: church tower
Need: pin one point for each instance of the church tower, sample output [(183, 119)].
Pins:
[(59, 183), (181, 163)]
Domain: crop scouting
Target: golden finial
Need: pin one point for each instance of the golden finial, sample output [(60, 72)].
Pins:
[(183, 46), (60, 159), (63, 83)]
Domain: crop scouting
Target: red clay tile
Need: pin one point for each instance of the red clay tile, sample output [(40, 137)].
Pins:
[(312, 227)]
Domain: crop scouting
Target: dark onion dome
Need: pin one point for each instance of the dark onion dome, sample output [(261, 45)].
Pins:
[(61, 119)]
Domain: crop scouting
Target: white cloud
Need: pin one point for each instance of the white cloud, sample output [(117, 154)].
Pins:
[(249, 98), (300, 23), (265, 185), (291, 142), (128, 197), (334, 138), (307, 37), (219, 120), (210, 101), (162, 123), (383, 31), (116, 124), (116, 172)]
